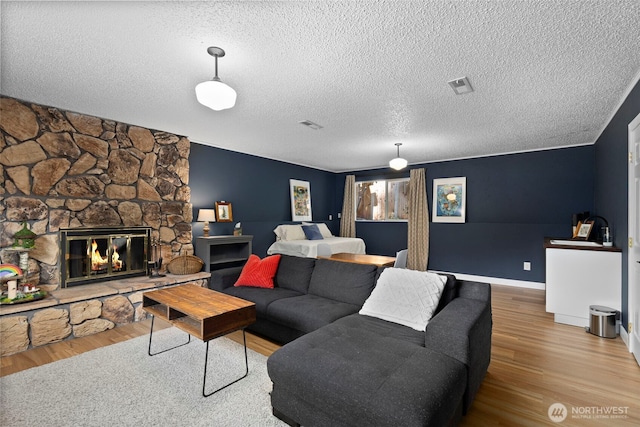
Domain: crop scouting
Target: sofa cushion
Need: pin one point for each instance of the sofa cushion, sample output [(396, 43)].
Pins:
[(382, 328), (449, 292), (261, 296), (259, 273), (306, 313), (407, 297), (343, 281), (295, 273)]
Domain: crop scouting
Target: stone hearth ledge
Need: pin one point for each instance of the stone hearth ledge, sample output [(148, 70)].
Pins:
[(81, 310), (99, 290)]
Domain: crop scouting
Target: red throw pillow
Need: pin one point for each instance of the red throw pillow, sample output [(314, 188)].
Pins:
[(259, 273)]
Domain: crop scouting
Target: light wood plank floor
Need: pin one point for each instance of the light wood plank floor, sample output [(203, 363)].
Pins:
[(535, 363)]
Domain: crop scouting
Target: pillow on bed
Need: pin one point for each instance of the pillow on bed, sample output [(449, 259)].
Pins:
[(312, 232), (404, 296), (289, 232), (259, 273), (324, 230)]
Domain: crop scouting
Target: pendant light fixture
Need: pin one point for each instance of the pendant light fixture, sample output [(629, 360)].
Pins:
[(398, 163), (213, 93)]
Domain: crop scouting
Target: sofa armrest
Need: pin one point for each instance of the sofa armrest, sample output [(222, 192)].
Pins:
[(474, 290), (224, 278), (462, 330)]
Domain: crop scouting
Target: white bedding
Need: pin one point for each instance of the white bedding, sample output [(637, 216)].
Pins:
[(309, 248)]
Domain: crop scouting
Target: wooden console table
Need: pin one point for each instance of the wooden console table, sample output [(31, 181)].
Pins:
[(202, 313), (379, 260)]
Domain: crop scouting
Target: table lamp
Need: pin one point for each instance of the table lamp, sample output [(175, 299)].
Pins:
[(206, 215)]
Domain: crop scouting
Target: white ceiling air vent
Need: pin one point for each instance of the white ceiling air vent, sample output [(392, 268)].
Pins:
[(461, 86), (310, 124)]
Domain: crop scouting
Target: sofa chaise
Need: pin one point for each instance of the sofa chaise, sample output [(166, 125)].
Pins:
[(342, 368)]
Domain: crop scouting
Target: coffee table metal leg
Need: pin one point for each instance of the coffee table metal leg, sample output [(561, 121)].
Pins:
[(206, 358), (151, 336)]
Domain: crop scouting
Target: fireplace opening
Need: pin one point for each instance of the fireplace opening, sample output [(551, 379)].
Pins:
[(97, 254)]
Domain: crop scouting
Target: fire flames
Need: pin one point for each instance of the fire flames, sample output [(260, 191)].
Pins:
[(98, 261)]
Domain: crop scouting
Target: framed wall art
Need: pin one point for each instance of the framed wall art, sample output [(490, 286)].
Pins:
[(449, 200), (223, 212), (300, 200)]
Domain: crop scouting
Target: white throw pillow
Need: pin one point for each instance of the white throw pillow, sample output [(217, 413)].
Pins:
[(287, 232), (407, 297)]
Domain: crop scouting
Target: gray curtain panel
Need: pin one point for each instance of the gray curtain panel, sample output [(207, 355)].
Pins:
[(418, 226), (348, 220)]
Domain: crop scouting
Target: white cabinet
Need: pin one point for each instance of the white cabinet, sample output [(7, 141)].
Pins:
[(580, 277)]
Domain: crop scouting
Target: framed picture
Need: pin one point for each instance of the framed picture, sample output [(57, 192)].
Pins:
[(583, 230), (300, 200), (223, 212), (449, 200)]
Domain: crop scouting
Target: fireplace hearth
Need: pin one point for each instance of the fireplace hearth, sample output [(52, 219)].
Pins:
[(91, 255)]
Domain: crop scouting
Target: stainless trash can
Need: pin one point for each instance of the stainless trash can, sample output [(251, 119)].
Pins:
[(602, 321)]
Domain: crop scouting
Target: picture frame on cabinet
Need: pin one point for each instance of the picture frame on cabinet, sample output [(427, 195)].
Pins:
[(223, 212), (583, 230)]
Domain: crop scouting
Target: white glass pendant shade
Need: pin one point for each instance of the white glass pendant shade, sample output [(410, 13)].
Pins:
[(398, 163), (215, 95)]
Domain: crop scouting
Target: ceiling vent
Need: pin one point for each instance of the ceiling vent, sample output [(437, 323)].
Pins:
[(461, 86), (310, 124)]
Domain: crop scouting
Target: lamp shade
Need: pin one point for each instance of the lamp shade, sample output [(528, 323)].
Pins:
[(208, 215), (216, 95), (398, 163)]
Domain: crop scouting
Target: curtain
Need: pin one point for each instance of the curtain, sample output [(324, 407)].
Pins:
[(348, 220), (418, 225)]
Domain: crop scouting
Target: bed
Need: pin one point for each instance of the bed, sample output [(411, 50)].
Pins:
[(292, 240)]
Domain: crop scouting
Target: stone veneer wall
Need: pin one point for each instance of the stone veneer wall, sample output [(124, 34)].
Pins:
[(60, 169)]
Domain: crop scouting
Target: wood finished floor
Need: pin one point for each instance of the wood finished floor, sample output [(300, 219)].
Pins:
[(534, 363)]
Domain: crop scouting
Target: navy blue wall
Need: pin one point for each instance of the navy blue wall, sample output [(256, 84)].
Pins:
[(612, 183), (513, 202), (258, 190)]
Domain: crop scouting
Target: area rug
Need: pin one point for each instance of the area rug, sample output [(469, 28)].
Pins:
[(120, 385)]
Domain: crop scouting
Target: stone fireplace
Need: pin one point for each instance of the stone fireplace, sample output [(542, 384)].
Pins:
[(65, 170), (62, 170)]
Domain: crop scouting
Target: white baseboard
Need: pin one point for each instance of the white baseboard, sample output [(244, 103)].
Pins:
[(496, 280), (625, 337)]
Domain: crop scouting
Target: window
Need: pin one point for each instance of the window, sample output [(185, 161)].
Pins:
[(382, 200)]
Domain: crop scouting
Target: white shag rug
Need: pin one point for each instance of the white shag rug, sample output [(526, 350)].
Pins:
[(120, 385)]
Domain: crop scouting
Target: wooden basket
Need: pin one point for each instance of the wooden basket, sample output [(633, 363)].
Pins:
[(185, 264)]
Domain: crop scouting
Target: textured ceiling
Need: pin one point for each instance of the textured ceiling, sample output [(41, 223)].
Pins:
[(546, 73)]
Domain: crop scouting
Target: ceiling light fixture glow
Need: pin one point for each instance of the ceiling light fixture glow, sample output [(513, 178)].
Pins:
[(213, 93), (398, 163)]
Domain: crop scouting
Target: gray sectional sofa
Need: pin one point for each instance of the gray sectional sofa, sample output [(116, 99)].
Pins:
[(341, 368)]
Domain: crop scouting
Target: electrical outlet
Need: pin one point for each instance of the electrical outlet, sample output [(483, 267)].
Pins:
[(527, 266), (330, 217), (339, 215)]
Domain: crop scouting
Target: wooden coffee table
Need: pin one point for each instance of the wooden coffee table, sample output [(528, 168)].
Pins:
[(202, 313)]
